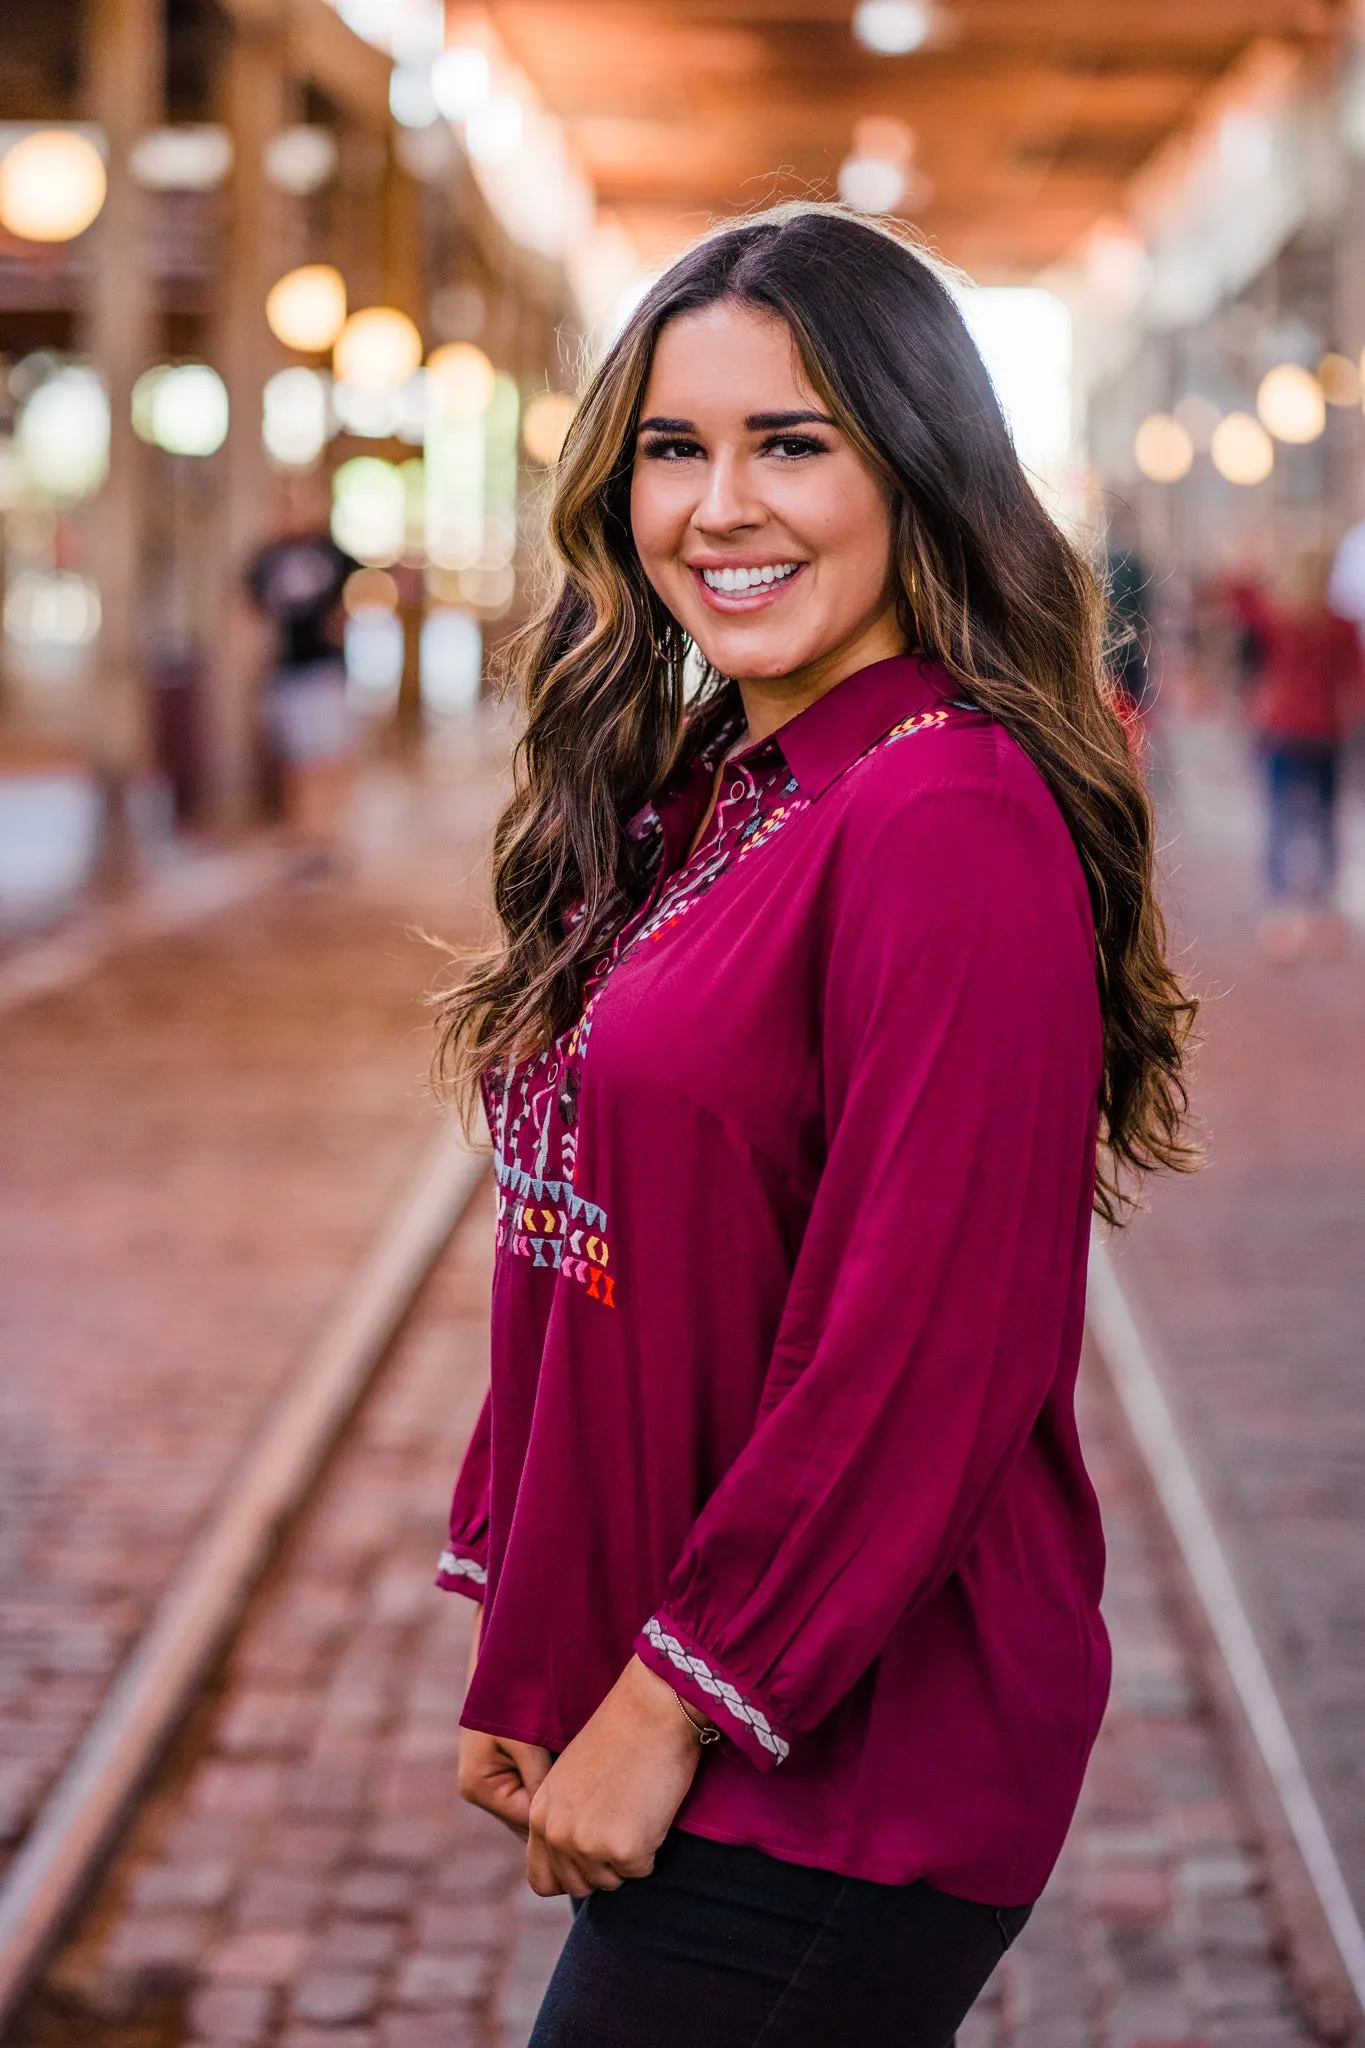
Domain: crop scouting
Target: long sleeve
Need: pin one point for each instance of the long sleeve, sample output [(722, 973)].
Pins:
[(934, 1284), (464, 1561)]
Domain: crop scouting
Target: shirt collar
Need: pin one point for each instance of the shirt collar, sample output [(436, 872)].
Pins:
[(833, 732)]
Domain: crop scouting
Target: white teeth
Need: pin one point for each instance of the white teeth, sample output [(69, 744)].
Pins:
[(739, 580)]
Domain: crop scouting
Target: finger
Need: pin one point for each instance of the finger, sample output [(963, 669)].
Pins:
[(534, 1765), (515, 1809), (573, 1878), (572, 1872), (502, 1796), (540, 1873)]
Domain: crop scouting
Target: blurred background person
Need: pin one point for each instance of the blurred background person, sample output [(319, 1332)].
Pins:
[(1305, 691), (297, 582)]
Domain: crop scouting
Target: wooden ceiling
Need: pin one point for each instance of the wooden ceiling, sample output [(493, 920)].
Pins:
[(1029, 115)]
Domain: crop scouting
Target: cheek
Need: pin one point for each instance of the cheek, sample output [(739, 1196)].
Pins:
[(844, 513), (656, 522)]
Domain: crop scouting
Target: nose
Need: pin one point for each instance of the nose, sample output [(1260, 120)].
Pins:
[(727, 504)]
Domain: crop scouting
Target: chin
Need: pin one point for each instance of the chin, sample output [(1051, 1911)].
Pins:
[(745, 663)]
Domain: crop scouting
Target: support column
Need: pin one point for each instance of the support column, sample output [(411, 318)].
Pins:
[(124, 93), (403, 269), (256, 104)]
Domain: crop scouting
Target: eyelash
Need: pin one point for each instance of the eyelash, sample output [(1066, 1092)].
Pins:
[(667, 450)]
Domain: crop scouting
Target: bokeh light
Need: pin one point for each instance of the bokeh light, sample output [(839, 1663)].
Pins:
[(306, 308), (412, 102), (301, 159), (196, 158), (378, 349), (1242, 450), (461, 79), (1340, 379), (549, 415), (58, 610), (63, 437), (494, 129), (875, 176), (52, 185), (369, 588), (460, 380), (294, 423), (371, 415), (892, 28), (450, 661), (1290, 404), (1163, 449), (374, 648), (870, 184), (369, 510), (183, 408)]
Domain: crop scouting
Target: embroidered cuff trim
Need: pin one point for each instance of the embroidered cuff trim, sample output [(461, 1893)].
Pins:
[(716, 1688), (453, 1566)]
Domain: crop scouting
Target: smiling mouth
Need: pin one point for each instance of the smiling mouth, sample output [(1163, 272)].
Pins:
[(749, 588)]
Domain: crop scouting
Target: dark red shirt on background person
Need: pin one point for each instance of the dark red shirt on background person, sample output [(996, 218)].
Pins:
[(788, 1305), (1311, 680)]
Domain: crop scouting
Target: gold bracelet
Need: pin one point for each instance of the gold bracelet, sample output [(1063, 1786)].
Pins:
[(705, 1731)]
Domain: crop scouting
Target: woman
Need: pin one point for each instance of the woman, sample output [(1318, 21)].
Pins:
[(806, 1010)]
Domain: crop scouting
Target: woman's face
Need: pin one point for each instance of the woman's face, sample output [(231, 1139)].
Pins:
[(760, 527)]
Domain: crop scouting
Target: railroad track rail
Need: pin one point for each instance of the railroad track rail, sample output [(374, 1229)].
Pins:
[(1320, 1921)]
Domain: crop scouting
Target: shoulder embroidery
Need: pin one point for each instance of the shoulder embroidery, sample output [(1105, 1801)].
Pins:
[(546, 1222), (533, 1106)]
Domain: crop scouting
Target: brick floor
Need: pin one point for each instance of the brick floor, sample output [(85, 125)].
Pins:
[(246, 1909), (1250, 1276), (196, 1141)]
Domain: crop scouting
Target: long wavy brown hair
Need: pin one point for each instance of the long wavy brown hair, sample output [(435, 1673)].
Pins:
[(989, 587)]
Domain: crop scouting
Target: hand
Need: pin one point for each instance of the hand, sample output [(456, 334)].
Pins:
[(495, 1773), (501, 1776), (609, 1799)]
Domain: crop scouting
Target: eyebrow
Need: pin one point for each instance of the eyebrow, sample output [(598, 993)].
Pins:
[(755, 423)]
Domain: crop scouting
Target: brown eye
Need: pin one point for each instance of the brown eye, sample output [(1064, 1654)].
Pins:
[(674, 450), (791, 447)]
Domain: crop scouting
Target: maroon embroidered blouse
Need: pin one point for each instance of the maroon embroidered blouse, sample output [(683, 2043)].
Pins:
[(788, 1300)]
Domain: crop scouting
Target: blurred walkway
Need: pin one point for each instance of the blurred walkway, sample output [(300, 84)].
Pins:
[(305, 1876), (197, 1138), (1250, 1275)]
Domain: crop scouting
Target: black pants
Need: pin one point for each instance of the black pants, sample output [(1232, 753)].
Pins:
[(728, 1948)]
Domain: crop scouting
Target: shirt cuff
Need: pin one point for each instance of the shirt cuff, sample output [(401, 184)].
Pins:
[(458, 1572), (700, 1680)]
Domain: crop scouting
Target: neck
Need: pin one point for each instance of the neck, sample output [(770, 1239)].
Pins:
[(770, 701)]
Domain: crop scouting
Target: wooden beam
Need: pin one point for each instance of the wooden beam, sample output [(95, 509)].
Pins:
[(257, 104), (125, 57), (319, 49)]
